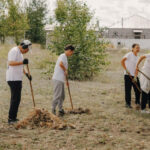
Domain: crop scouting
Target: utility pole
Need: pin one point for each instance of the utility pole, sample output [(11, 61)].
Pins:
[(122, 22)]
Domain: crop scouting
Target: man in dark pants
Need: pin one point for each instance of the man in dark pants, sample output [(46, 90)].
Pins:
[(14, 77), (128, 85), (129, 62), (145, 100)]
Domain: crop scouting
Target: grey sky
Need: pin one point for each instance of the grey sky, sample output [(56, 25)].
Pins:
[(111, 11)]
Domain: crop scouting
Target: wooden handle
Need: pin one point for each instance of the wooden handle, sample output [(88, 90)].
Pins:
[(144, 75), (31, 87), (135, 83), (69, 92)]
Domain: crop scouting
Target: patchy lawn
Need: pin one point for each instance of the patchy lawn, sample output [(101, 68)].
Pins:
[(110, 126)]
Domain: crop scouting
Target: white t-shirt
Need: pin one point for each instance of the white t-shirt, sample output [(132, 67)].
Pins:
[(58, 71), (131, 62), (147, 61), (14, 73)]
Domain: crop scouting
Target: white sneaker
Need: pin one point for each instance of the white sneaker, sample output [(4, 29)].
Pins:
[(145, 111)]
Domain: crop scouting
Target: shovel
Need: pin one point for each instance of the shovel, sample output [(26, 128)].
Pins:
[(78, 110), (31, 86), (69, 92), (144, 74), (135, 83)]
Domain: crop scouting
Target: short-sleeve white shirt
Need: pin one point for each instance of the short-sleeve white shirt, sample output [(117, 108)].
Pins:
[(14, 73), (58, 71), (131, 62)]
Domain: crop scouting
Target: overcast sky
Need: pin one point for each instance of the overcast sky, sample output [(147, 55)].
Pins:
[(111, 11)]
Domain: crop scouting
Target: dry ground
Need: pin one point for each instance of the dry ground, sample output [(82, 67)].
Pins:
[(110, 126)]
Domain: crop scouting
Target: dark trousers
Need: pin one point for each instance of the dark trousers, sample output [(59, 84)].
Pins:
[(15, 89), (128, 87), (145, 100)]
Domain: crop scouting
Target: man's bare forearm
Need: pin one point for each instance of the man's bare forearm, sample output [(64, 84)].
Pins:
[(15, 63), (123, 63), (140, 60), (62, 66)]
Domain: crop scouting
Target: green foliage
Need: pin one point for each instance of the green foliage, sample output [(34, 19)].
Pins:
[(17, 21), (3, 20), (73, 19), (13, 22), (36, 13)]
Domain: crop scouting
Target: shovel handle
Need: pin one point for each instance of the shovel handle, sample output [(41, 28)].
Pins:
[(135, 83), (144, 74), (31, 87), (69, 92)]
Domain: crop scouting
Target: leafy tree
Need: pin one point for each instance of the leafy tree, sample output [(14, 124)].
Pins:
[(3, 20), (73, 27), (17, 21), (36, 13)]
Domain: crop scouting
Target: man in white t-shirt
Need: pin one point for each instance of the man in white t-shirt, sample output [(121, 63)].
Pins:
[(144, 80), (14, 75), (59, 78), (129, 62)]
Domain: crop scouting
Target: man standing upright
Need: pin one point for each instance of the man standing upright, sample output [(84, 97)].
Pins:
[(59, 77), (14, 77), (129, 62)]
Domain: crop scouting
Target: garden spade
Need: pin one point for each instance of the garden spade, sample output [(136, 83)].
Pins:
[(69, 92), (31, 86)]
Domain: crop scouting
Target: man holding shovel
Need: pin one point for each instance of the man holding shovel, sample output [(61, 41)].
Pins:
[(59, 77), (144, 80), (14, 75), (129, 62)]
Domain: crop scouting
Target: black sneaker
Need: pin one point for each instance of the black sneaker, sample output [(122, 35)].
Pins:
[(12, 121), (61, 112), (128, 106)]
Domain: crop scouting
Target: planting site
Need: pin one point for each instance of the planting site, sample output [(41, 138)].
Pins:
[(100, 120)]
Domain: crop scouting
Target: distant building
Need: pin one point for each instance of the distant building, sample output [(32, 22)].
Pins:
[(135, 29), (123, 34)]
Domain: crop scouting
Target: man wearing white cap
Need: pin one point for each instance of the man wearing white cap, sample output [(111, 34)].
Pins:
[(14, 75)]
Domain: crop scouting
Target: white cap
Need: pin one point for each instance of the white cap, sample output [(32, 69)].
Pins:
[(27, 42)]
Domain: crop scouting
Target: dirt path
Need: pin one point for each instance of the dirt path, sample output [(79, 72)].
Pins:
[(110, 126)]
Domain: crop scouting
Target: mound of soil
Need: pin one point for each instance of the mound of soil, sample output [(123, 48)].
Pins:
[(78, 111), (42, 118)]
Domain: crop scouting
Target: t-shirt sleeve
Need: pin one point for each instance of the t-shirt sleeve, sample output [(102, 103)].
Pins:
[(12, 56), (62, 58), (147, 55), (127, 55)]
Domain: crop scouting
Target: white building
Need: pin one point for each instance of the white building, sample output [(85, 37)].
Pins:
[(135, 29)]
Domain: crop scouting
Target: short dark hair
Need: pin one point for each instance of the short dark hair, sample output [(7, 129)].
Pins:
[(69, 47), (135, 44)]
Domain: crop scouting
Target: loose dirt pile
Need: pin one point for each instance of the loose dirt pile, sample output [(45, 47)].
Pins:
[(78, 111), (42, 118)]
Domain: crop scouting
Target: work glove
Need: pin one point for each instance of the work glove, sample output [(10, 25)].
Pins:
[(127, 71), (29, 77), (135, 79), (25, 61)]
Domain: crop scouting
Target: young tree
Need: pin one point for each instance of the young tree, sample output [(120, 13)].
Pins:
[(3, 20), (73, 18), (36, 13), (17, 21)]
